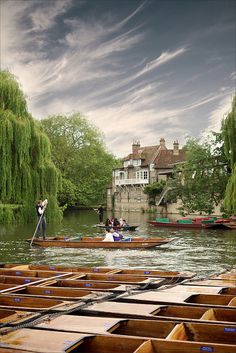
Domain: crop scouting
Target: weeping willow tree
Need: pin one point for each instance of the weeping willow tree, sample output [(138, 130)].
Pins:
[(229, 135), (27, 172)]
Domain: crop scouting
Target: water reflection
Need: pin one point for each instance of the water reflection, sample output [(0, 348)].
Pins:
[(201, 251)]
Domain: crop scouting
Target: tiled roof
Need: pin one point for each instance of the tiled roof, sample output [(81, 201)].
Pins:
[(145, 153), (166, 158)]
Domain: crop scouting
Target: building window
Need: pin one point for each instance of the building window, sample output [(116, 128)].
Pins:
[(136, 162), (142, 174)]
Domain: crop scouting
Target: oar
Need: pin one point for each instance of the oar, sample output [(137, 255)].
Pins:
[(36, 229)]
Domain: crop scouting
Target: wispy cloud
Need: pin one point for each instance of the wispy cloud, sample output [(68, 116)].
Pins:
[(219, 113), (162, 59), (130, 79)]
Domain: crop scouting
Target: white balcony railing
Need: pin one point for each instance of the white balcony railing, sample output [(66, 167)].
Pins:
[(120, 182)]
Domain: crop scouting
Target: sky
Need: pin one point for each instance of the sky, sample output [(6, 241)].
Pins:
[(137, 70)]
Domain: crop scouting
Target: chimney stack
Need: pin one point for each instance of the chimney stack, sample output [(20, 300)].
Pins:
[(135, 146), (162, 142), (176, 148)]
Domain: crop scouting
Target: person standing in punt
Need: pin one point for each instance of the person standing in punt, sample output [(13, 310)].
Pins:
[(40, 209), (100, 211)]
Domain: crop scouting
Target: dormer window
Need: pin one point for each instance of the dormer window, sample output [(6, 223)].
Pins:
[(136, 162)]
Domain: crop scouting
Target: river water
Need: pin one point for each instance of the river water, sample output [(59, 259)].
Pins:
[(201, 251)]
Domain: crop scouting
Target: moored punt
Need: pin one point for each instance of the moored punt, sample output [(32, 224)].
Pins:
[(121, 279), (175, 224), (108, 344), (32, 273), (162, 312), (86, 242), (213, 282), (143, 328), (194, 223), (57, 293), (104, 270), (130, 227), (18, 302), (91, 285), (165, 297), (156, 273), (104, 325)]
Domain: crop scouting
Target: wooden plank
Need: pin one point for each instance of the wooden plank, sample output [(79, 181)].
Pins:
[(193, 289), (35, 341), (85, 324)]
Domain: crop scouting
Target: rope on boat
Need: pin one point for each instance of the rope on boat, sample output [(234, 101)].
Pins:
[(47, 314)]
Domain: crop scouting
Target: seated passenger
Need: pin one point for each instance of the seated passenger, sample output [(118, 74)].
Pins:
[(116, 235), (108, 236), (125, 224), (116, 223)]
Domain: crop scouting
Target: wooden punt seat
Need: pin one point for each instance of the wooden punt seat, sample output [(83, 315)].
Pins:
[(143, 328), (223, 315), (108, 344), (228, 290), (180, 312), (232, 301), (168, 346), (198, 332), (211, 299)]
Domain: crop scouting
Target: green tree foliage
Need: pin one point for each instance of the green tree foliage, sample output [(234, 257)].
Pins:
[(153, 190), (229, 136), (200, 182), (78, 151), (68, 194), (27, 172)]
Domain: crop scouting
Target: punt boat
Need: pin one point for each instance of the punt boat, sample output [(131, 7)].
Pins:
[(121, 279), (97, 242), (46, 341), (18, 302), (63, 293), (130, 227), (165, 297), (92, 285), (195, 223), (162, 312), (142, 328), (104, 270)]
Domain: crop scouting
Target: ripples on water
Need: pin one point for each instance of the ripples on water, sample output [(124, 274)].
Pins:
[(202, 251)]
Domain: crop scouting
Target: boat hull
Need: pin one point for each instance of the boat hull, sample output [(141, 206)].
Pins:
[(94, 243), (126, 228)]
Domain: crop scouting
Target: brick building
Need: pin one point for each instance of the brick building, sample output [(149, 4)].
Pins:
[(145, 165)]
